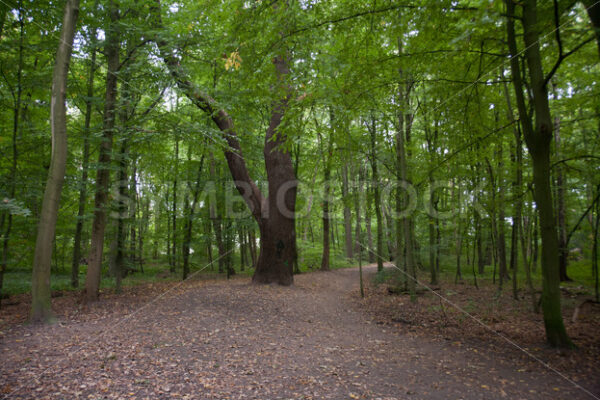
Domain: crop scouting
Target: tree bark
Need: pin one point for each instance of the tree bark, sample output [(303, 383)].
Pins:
[(368, 223), (276, 224), (174, 207), (215, 217), (119, 264), (166, 206), (538, 141), (431, 140), (347, 214), (593, 10), (327, 156), (84, 165), (376, 192), (595, 252), (191, 210), (92, 279), (357, 194), (40, 285), (501, 238), (134, 202), (563, 251), (402, 134)]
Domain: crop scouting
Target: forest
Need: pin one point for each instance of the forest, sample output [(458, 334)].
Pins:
[(431, 164)]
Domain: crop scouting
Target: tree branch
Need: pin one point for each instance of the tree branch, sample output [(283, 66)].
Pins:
[(235, 160)]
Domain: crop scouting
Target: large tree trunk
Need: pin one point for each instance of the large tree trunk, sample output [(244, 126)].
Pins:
[(274, 214), (538, 141), (278, 231), (40, 285), (92, 279)]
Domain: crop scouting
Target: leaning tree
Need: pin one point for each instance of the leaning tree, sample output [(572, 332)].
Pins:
[(274, 213)]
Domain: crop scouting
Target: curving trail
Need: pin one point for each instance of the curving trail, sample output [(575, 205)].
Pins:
[(235, 340)]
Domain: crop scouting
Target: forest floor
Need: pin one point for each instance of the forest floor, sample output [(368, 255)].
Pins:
[(318, 339)]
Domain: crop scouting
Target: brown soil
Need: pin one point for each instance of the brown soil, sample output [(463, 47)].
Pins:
[(315, 340)]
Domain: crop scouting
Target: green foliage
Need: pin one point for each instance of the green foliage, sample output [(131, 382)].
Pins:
[(14, 207)]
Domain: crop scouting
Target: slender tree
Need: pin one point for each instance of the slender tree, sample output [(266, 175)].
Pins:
[(111, 50), (538, 138), (40, 289), (85, 162)]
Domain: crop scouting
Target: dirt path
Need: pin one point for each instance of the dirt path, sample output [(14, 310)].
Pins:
[(234, 340)]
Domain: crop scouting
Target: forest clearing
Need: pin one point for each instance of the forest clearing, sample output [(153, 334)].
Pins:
[(299, 199)]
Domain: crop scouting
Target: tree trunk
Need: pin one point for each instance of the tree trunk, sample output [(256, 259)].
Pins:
[(278, 232), (376, 193), (133, 212), (517, 211), (209, 248), (252, 241), (40, 285), (12, 178), (244, 250), (479, 227), (595, 252), (144, 222), (166, 202), (347, 213), (189, 219), (501, 238), (563, 251), (536, 232), (125, 205), (368, 223), (327, 158), (119, 267), (84, 165), (356, 195), (593, 10), (457, 233), (402, 135), (276, 224), (431, 140), (173, 266), (517, 159), (92, 279), (538, 141)]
